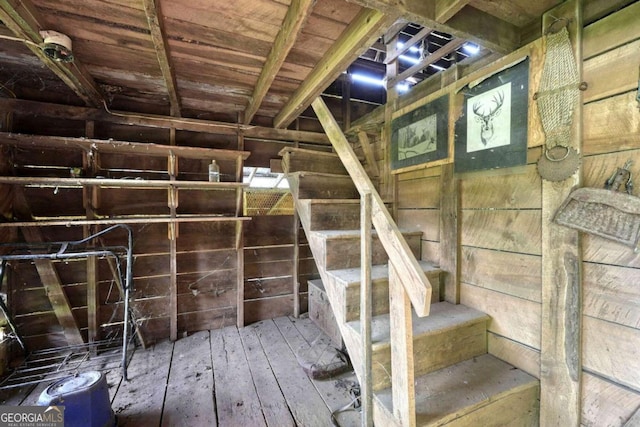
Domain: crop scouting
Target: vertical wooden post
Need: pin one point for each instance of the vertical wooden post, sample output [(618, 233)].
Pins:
[(295, 271), (560, 358), (240, 273), (346, 100), (366, 388), (402, 368), (449, 237), (172, 168), (388, 184), (93, 301), (240, 231)]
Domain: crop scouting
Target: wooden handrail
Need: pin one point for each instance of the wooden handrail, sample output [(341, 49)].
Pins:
[(410, 273)]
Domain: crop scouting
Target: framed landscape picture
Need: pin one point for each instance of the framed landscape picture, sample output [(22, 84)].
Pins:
[(492, 130), (420, 136)]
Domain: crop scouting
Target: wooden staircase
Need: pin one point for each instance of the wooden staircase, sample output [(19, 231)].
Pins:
[(456, 382)]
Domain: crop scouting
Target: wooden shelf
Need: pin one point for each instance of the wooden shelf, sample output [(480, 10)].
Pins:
[(119, 183), (126, 220), (119, 147)]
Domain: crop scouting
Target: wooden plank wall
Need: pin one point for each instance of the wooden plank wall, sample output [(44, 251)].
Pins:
[(500, 233), (269, 259), (206, 257)]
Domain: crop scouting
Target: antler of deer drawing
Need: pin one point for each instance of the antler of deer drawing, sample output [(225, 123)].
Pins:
[(486, 119)]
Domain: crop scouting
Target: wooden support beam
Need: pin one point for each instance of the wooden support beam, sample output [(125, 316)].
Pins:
[(356, 38), (172, 195), (369, 156), (560, 357), (240, 236), (117, 147), (450, 255), (366, 309), (240, 274), (32, 108), (388, 185), (123, 220), (295, 271), (294, 20), (118, 183), (23, 19), (155, 21), (346, 101), (55, 291), (435, 56), (468, 23), (89, 166)]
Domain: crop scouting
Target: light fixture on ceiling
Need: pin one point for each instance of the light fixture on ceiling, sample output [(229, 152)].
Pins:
[(57, 46)]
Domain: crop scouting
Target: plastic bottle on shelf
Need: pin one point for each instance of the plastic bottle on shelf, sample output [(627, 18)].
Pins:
[(214, 172)]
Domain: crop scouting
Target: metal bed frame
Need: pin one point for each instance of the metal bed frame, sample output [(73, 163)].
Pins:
[(60, 251)]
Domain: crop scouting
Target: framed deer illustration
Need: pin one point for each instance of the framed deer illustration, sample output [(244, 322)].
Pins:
[(420, 136), (492, 129)]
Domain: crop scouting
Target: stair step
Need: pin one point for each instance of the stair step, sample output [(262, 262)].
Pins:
[(342, 247), (451, 333), (316, 185), (300, 159), (331, 214), (348, 283), (482, 391), (321, 313)]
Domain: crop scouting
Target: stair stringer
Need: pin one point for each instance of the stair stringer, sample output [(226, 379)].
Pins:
[(351, 339)]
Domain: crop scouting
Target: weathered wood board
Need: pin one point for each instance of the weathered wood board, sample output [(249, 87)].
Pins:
[(236, 399), (139, 401), (191, 368)]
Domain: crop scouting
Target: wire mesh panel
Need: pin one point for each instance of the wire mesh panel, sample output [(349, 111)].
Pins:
[(267, 202)]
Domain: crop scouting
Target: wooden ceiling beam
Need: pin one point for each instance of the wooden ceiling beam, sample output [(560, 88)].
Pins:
[(467, 23), (22, 18), (294, 21), (356, 39), (68, 112), (155, 19)]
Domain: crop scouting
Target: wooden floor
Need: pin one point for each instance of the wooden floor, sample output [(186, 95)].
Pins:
[(228, 378)]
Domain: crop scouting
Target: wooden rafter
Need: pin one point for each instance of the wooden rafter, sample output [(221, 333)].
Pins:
[(356, 38), (23, 20), (156, 121), (296, 16), (435, 56), (468, 23), (154, 18), (408, 45)]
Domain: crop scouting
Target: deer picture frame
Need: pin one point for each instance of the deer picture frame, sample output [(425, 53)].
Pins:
[(491, 131), (421, 135)]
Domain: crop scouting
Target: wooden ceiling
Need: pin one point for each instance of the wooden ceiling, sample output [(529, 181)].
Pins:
[(253, 61)]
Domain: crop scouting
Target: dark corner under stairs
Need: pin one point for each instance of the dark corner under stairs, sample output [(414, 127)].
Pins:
[(457, 382)]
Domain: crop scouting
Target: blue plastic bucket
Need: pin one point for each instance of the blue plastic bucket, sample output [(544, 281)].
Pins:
[(85, 398)]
